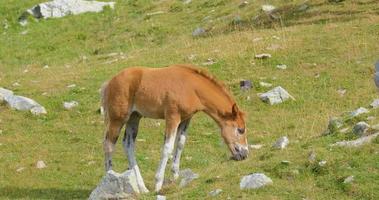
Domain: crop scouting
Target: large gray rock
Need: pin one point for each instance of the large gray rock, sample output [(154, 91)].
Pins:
[(358, 142), (4, 94), (275, 96), (361, 128), (254, 181), (24, 103), (61, 8), (186, 177), (116, 186)]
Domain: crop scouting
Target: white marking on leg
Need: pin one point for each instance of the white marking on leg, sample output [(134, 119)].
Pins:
[(168, 147), (108, 150), (179, 149)]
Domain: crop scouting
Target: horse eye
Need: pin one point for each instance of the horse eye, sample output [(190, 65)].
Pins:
[(241, 130)]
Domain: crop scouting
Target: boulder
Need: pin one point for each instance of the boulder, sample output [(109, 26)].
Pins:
[(24, 103), (116, 186), (254, 181), (358, 142), (281, 143), (275, 96), (61, 8), (361, 128), (186, 177)]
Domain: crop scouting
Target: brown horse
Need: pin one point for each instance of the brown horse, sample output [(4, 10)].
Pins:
[(173, 93)]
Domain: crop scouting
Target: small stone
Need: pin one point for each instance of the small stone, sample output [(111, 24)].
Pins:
[(341, 92), (264, 84), (375, 104), (263, 56), (361, 128), (246, 85), (281, 66), (281, 143), (356, 143), (40, 164), (334, 124), (71, 86), (215, 192), (26, 71), (187, 176), (276, 37), (70, 105), (254, 181), (16, 84), (276, 96), (161, 197), (322, 163), (210, 61), (23, 22), (348, 179), (192, 57), (46, 67), (359, 111), (255, 146), (199, 32), (268, 8), (285, 162), (312, 156), (20, 169), (38, 110), (187, 1)]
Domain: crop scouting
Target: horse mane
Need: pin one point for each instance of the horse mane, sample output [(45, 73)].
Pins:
[(204, 73)]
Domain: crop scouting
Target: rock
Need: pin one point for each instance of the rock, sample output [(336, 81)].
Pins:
[(210, 61), (5, 94), (348, 179), (215, 192), (341, 91), (281, 143), (46, 67), (20, 169), (61, 8), (161, 197), (275, 96), (358, 142), (263, 56), (70, 105), (254, 181), (322, 163), (186, 177), (255, 146), (334, 124), (187, 1), (375, 104), (281, 66), (16, 84), (268, 8), (312, 156), (276, 37), (40, 164), (361, 128), (116, 186), (24, 103), (199, 32), (264, 84), (285, 162), (246, 85), (71, 86), (359, 111)]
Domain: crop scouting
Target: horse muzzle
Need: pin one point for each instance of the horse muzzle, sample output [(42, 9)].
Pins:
[(240, 152)]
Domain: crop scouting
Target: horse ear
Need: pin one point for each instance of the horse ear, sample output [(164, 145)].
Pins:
[(235, 110)]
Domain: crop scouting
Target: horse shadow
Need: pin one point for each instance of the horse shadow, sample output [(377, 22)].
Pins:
[(43, 193)]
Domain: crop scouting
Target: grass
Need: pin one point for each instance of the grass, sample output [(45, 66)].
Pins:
[(335, 42)]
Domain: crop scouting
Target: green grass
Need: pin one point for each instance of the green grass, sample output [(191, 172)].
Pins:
[(339, 42)]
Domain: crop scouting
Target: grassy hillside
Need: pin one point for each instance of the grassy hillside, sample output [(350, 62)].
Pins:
[(327, 47)]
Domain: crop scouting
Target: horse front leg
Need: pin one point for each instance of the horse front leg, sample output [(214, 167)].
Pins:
[(129, 140), (182, 134), (172, 124)]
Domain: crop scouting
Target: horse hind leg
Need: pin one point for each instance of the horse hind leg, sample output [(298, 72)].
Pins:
[(111, 135), (131, 132)]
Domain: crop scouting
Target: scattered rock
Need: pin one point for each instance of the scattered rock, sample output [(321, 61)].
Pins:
[(38, 110), (192, 57), (312, 156), (348, 179), (61, 8), (375, 104), (255, 146), (71, 86), (24, 103), (45, 67), (254, 181), (199, 32), (359, 111), (186, 177), (358, 142), (361, 128), (5, 94), (276, 96), (16, 84), (161, 197), (322, 163), (210, 61), (281, 143), (40, 164), (268, 8), (187, 1), (285, 162), (341, 92), (264, 84), (215, 192), (116, 186), (246, 85), (20, 169), (70, 105), (262, 56)]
